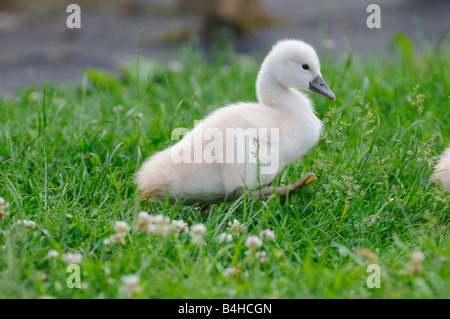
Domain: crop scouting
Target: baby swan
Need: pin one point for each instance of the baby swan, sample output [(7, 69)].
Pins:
[(245, 144), (442, 170)]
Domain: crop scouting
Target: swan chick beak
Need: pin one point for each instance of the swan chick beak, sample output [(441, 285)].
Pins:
[(318, 85)]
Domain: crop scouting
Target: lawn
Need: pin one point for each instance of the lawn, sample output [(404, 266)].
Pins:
[(68, 153)]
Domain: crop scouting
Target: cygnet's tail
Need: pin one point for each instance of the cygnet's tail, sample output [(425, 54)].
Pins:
[(151, 180), (442, 170)]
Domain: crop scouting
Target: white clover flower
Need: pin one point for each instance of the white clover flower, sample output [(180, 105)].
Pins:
[(75, 258), (232, 271), (235, 227), (52, 253), (130, 280), (118, 238), (161, 219), (161, 225), (107, 271), (224, 237), (262, 256), (144, 223), (371, 219), (198, 229), (415, 266), (253, 242), (26, 223), (117, 108), (267, 234), (417, 257), (130, 285), (121, 227), (179, 226), (196, 233), (3, 205)]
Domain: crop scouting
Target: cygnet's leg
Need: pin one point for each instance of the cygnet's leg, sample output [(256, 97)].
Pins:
[(281, 191)]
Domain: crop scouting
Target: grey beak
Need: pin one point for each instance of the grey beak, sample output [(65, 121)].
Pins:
[(318, 85)]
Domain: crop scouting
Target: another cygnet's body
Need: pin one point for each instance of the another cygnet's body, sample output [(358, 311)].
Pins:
[(442, 170)]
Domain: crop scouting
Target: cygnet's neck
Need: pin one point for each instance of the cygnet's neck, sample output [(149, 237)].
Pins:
[(271, 92)]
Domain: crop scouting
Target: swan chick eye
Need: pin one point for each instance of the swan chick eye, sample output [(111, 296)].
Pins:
[(305, 66)]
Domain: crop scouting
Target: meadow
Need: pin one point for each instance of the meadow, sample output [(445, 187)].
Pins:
[(68, 153)]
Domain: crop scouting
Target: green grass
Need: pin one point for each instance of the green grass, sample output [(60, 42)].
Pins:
[(68, 154)]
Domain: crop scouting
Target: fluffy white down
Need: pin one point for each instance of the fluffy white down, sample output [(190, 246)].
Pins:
[(442, 170), (280, 105)]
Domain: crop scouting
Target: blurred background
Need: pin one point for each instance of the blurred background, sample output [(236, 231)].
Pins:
[(36, 45)]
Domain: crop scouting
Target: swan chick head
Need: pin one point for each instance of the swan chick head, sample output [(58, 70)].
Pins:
[(295, 64)]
